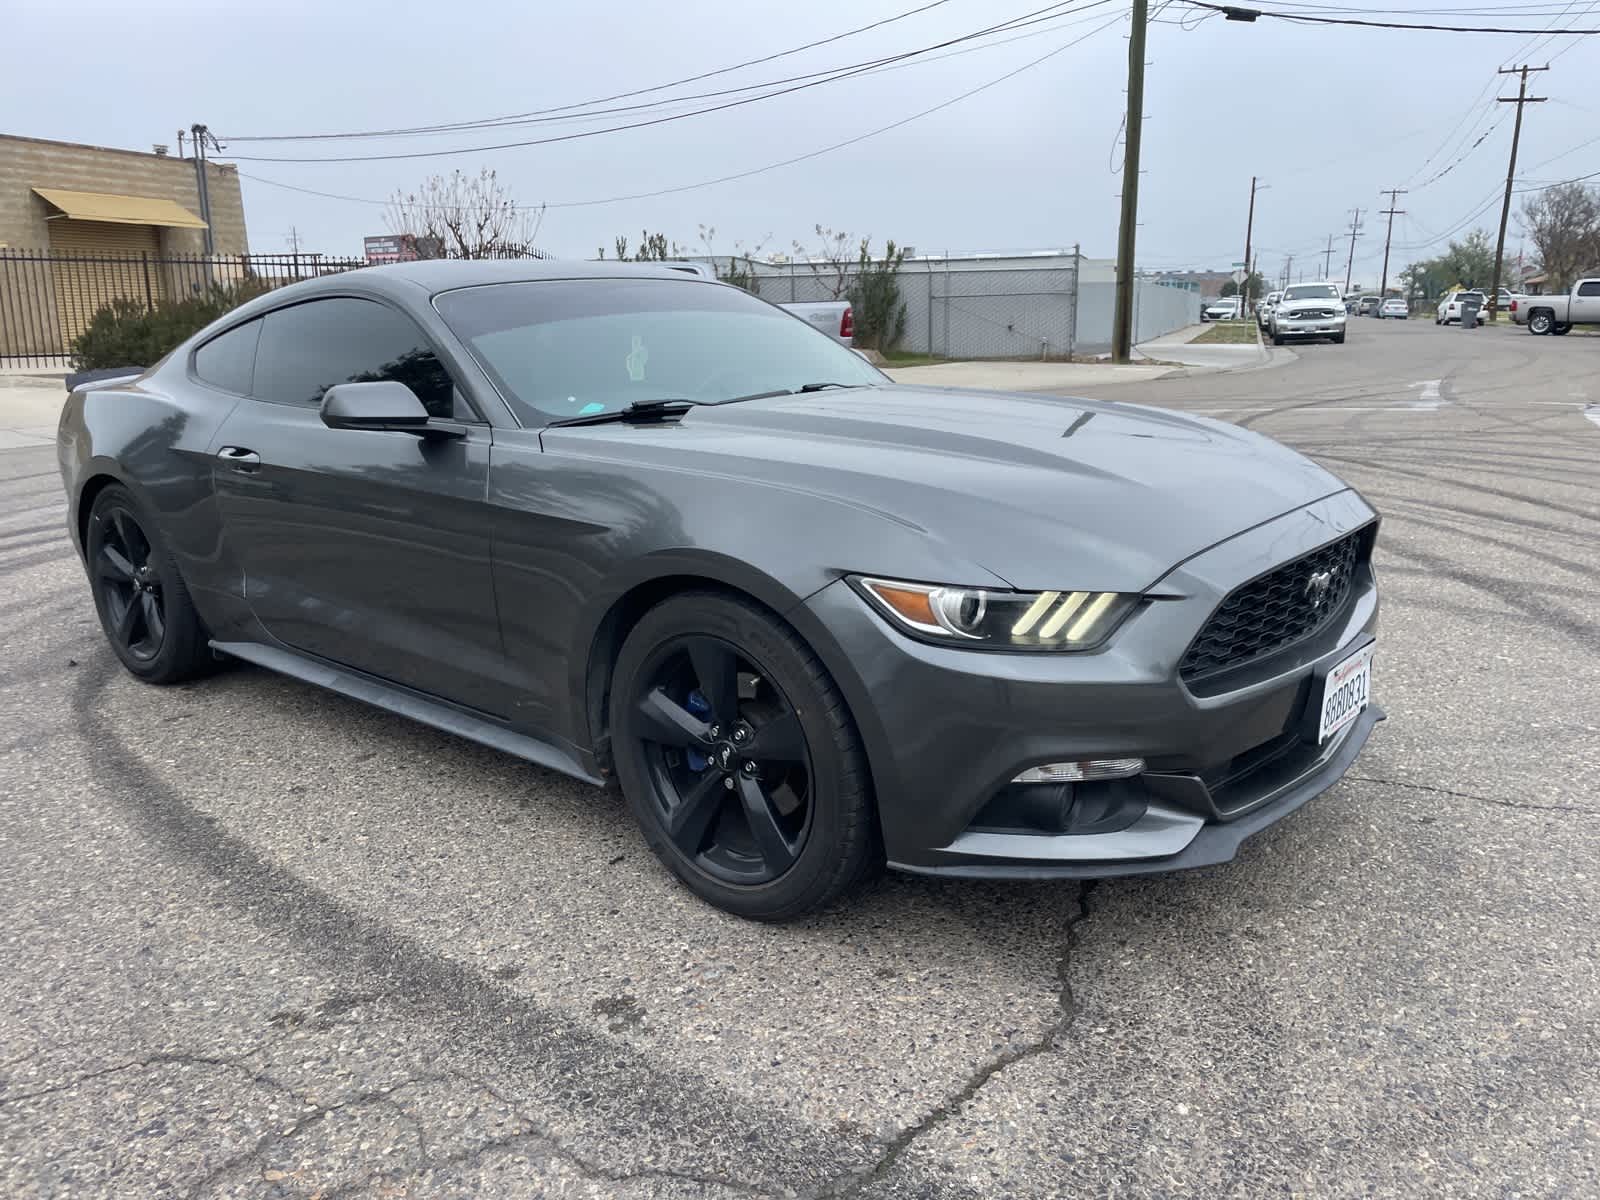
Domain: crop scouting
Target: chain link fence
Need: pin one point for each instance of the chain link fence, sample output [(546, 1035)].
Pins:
[(1038, 307)]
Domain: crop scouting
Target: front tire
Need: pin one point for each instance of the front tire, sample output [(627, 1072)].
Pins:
[(739, 759), (1277, 339), (1559, 330), (142, 600), (1337, 339)]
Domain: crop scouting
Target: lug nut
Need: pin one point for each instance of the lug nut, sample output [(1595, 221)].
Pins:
[(727, 782), (715, 732), (750, 768)]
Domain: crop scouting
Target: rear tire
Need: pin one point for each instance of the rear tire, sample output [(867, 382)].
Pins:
[(1540, 322), (142, 600), (772, 842)]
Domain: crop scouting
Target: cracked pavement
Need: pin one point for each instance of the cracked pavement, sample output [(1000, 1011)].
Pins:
[(260, 941)]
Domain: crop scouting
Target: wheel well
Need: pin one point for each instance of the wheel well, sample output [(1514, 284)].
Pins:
[(86, 496), (613, 630)]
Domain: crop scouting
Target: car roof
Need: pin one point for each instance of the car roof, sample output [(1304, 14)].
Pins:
[(432, 276)]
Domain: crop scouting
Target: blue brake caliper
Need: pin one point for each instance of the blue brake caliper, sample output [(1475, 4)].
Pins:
[(700, 707)]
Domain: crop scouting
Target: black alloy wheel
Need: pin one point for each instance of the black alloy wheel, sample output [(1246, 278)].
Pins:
[(728, 762), (128, 584), (737, 755), (143, 604)]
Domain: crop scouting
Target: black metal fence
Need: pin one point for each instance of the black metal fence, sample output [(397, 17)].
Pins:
[(47, 299)]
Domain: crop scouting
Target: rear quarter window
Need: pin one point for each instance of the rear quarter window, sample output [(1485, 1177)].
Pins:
[(228, 360)]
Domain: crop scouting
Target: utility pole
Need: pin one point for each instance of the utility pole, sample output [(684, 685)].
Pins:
[(1391, 212), (1350, 263), (201, 136), (1122, 317), (1327, 258), (1288, 265), (1519, 100), (1249, 228)]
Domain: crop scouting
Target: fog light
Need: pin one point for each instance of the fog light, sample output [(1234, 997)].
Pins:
[(1081, 772)]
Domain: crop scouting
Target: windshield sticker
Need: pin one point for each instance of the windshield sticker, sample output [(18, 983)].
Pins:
[(593, 406), (637, 357)]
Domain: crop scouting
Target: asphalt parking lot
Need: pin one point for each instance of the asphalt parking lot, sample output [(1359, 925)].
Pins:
[(257, 940)]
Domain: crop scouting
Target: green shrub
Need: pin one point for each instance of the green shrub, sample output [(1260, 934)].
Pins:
[(880, 316), (124, 333)]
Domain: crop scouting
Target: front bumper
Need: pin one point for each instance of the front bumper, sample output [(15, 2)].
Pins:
[(1317, 328), (947, 730)]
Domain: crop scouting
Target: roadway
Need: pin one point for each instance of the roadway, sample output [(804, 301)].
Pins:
[(257, 940)]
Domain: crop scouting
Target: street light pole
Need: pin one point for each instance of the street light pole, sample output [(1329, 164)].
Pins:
[(1122, 316)]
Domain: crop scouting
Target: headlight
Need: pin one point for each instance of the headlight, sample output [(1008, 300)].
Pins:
[(982, 619)]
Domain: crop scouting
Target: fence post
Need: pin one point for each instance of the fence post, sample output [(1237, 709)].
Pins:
[(149, 296), (930, 306), (1072, 329)]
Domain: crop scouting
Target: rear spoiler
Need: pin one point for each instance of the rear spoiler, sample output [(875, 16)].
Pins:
[(104, 376)]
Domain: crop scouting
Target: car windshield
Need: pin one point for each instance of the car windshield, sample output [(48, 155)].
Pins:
[(1312, 291), (578, 347)]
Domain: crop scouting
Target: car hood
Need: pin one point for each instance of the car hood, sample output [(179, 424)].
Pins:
[(1043, 492)]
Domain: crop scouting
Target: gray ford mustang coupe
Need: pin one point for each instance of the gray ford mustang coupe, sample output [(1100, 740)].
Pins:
[(629, 523)]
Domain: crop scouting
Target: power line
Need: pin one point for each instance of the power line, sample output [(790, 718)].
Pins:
[(660, 87), (1234, 13), (689, 187), (806, 83)]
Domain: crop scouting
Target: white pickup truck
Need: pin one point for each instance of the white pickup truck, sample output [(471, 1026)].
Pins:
[(1557, 314), (833, 317)]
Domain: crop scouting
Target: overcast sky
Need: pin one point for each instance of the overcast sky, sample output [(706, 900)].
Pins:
[(1327, 116)]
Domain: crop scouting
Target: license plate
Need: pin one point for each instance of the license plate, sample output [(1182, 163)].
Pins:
[(1345, 692)]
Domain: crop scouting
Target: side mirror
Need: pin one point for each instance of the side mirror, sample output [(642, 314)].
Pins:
[(384, 404)]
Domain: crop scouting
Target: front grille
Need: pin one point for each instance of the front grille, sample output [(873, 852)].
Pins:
[(1311, 314), (1276, 610)]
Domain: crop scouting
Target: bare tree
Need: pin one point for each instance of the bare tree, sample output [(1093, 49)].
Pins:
[(741, 269), (464, 216), (1564, 224), (836, 253)]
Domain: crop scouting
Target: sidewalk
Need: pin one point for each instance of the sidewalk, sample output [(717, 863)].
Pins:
[(1178, 347), (30, 407), (1023, 376), (1170, 354)]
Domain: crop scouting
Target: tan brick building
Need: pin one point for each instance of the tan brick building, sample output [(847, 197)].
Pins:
[(83, 225), (29, 221)]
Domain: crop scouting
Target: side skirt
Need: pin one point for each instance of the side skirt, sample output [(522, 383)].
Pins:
[(407, 703)]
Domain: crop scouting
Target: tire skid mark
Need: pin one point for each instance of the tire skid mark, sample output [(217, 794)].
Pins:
[(1521, 595), (574, 1065), (1445, 479)]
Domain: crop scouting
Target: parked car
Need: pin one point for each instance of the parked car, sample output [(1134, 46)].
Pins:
[(1369, 306), (1308, 310), (1225, 309), (1265, 311), (631, 524), (1558, 314), (1394, 307), (1450, 307)]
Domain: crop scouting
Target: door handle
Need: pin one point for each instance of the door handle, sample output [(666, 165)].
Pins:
[(239, 458)]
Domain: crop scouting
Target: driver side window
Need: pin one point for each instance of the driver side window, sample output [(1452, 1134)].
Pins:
[(308, 348)]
